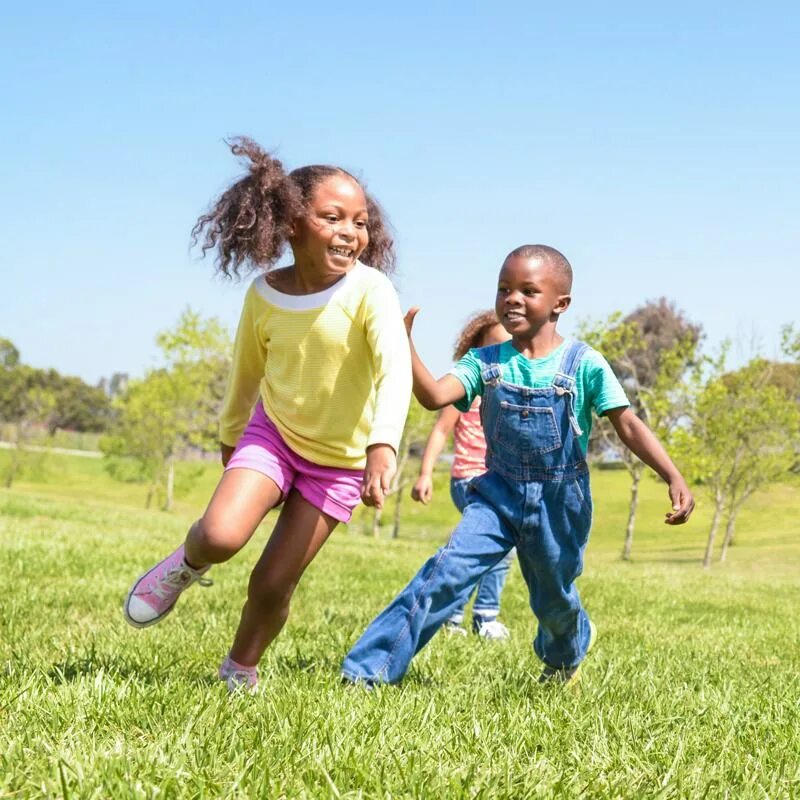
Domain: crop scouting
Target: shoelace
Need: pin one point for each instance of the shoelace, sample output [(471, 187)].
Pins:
[(174, 580), (240, 679)]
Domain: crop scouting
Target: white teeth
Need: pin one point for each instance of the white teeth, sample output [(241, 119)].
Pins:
[(340, 251)]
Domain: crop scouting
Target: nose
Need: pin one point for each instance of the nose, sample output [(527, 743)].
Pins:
[(347, 230), (513, 298)]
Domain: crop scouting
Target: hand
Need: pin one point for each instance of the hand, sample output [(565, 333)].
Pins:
[(408, 319), (682, 502), (422, 490), (226, 451), (378, 474)]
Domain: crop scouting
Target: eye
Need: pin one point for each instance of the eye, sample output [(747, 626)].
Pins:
[(361, 223), (529, 292), (502, 290), (332, 218)]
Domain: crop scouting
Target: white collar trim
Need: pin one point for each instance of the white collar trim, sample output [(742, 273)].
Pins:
[(305, 302)]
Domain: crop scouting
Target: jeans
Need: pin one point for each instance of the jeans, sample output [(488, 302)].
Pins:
[(490, 586), (548, 521)]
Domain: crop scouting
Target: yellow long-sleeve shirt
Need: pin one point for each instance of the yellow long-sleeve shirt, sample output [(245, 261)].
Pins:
[(333, 368)]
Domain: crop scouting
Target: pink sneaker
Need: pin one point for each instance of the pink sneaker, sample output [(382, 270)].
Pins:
[(238, 677), (154, 595)]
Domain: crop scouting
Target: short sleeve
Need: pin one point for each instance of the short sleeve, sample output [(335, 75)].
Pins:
[(603, 391), (468, 371)]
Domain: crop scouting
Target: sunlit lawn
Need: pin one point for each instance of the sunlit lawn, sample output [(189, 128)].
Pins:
[(692, 690)]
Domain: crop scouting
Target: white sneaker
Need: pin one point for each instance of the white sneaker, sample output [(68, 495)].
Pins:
[(454, 629), (494, 630)]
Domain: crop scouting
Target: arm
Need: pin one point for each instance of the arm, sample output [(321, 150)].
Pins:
[(422, 491), (391, 360), (641, 441), (432, 394), (247, 370)]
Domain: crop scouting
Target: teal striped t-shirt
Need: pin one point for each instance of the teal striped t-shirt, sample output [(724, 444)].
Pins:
[(596, 386)]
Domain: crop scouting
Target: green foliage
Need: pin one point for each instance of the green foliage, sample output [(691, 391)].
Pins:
[(77, 405), (172, 409), (744, 434), (9, 355), (653, 352), (37, 409)]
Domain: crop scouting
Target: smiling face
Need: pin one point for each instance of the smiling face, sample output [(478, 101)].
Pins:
[(333, 233), (530, 295)]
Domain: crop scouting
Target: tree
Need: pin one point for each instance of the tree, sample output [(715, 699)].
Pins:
[(9, 355), (173, 408), (651, 351), (38, 405), (744, 434), (77, 405)]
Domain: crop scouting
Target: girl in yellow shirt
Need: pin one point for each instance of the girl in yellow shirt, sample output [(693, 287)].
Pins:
[(322, 353)]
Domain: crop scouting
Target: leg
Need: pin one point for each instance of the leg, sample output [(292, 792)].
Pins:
[(490, 588), (459, 488), (299, 534), (550, 550), (486, 610), (384, 651), (242, 498)]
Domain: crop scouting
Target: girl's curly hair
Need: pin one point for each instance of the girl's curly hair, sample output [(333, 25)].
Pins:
[(251, 222), (473, 332)]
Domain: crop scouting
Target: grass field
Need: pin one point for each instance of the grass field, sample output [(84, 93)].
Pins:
[(693, 689)]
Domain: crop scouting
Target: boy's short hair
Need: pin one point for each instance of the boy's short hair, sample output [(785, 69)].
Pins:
[(555, 259)]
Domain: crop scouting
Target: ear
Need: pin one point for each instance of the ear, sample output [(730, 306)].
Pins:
[(562, 304)]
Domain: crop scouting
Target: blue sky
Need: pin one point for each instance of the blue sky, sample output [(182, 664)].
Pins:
[(656, 147)]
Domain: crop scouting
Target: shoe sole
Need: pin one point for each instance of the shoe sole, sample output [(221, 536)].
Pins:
[(126, 610)]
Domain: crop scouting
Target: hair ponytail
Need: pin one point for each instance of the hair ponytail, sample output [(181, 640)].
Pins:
[(251, 222)]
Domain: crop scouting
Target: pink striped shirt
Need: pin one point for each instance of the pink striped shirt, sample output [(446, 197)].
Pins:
[(469, 444)]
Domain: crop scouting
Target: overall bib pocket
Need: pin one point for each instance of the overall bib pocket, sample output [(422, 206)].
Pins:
[(525, 431)]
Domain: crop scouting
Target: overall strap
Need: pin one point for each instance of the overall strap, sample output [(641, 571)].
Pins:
[(570, 361), (490, 368), (564, 379)]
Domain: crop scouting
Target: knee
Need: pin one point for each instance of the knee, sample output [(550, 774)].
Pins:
[(217, 540), (270, 590)]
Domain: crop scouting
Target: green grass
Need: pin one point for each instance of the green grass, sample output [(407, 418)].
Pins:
[(692, 689)]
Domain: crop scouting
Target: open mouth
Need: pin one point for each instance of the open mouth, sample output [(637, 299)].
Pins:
[(513, 316), (342, 252)]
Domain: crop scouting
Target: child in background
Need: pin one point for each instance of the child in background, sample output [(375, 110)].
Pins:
[(539, 392), (322, 354), (469, 447)]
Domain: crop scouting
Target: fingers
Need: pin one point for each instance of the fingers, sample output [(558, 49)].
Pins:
[(373, 491), (422, 491), (682, 506), (409, 318)]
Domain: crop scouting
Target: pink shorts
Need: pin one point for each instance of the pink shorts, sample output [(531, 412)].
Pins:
[(333, 490)]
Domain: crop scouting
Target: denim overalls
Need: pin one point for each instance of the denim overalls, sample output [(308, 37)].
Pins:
[(535, 496)]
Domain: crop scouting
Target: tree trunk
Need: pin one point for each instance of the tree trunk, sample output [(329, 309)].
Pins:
[(149, 499), (729, 533), (376, 522), (170, 484), (712, 532), (636, 477), (397, 511)]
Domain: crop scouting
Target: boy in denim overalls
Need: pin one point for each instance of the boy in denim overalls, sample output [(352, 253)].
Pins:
[(538, 395)]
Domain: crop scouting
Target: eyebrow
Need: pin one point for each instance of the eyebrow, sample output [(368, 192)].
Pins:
[(340, 207)]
